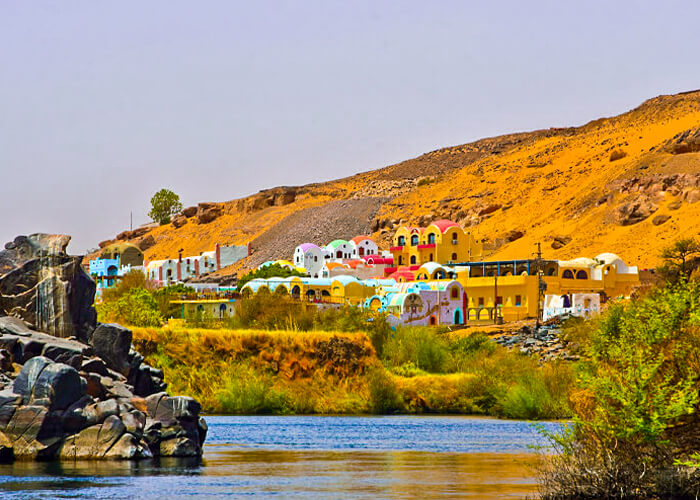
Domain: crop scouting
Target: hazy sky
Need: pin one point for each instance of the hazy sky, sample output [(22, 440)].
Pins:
[(104, 103)]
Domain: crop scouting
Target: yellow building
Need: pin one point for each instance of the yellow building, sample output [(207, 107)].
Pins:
[(512, 286), (443, 241)]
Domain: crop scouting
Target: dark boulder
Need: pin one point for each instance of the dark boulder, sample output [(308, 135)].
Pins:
[(45, 287), (59, 385), (112, 343), (44, 382)]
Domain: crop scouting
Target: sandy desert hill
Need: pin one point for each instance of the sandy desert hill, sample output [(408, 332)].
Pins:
[(629, 184)]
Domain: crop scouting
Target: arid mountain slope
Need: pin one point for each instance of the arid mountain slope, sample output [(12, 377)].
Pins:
[(628, 184)]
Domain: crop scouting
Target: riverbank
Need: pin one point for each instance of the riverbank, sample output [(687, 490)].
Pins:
[(416, 371)]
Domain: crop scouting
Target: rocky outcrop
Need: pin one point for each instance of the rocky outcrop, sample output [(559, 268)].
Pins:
[(684, 142), (45, 287), (544, 343), (660, 219), (279, 196), (634, 211), (560, 242), (207, 212), (89, 396)]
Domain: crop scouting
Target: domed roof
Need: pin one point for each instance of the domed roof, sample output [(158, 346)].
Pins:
[(431, 267), (578, 262), (444, 224), (120, 247), (345, 279), (305, 247), (608, 258), (333, 265), (337, 243), (358, 239)]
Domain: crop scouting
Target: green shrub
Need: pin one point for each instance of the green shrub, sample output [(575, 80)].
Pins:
[(636, 405), (418, 345), (136, 307), (246, 391), (383, 393)]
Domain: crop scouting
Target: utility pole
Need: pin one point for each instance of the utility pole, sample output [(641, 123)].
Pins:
[(541, 285), (495, 298)]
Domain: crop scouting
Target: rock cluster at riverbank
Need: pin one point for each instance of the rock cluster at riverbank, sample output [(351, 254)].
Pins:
[(543, 342), (77, 389)]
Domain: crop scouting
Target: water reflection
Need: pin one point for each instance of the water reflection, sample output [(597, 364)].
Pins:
[(309, 458), (364, 474)]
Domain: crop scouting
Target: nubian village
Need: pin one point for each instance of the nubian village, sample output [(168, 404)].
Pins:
[(241, 261)]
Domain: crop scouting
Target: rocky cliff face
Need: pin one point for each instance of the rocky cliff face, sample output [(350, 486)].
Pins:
[(69, 386), (45, 287)]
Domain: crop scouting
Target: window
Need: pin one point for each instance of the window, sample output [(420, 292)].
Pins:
[(431, 238), (414, 240), (567, 275), (454, 257), (400, 260), (402, 241), (454, 238), (518, 300), (481, 302), (413, 259), (430, 258), (581, 275), (315, 258), (454, 293), (499, 301)]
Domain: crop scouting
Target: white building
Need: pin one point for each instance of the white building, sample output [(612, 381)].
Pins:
[(584, 305), (337, 250), (170, 271), (363, 245), (310, 257)]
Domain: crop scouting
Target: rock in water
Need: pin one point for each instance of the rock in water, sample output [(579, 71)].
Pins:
[(112, 343), (45, 287), (90, 398)]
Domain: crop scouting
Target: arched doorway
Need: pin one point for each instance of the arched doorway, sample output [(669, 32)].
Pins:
[(458, 317), (433, 321), (296, 291)]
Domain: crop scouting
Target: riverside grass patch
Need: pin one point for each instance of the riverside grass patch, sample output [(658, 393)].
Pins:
[(327, 372)]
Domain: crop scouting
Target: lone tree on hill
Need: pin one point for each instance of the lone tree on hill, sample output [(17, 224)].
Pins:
[(680, 259), (164, 205)]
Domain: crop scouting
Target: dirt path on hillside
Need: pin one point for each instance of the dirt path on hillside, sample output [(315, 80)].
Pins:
[(341, 219)]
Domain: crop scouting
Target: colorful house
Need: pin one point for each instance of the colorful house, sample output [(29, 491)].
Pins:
[(337, 249), (426, 303), (361, 246), (443, 241), (115, 261), (309, 257)]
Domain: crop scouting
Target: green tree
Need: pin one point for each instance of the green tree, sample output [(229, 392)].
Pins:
[(136, 307), (164, 205), (634, 434), (680, 259)]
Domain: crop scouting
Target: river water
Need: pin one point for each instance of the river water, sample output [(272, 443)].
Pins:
[(311, 458)]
